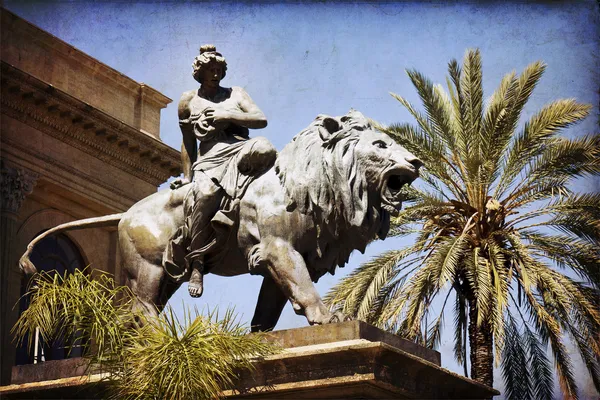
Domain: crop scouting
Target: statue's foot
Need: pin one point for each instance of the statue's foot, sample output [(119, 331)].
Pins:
[(196, 283)]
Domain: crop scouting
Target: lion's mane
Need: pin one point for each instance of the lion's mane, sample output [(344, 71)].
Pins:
[(322, 177)]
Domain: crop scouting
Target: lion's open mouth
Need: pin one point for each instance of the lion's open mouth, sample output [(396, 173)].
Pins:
[(396, 182), (391, 193)]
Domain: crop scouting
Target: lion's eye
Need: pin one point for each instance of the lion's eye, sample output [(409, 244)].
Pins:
[(381, 144)]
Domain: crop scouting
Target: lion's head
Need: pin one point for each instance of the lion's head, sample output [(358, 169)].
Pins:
[(347, 174)]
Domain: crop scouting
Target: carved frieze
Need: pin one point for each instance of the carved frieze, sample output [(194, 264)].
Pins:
[(86, 128), (16, 184)]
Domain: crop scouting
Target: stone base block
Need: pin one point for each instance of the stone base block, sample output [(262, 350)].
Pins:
[(350, 360), (353, 360)]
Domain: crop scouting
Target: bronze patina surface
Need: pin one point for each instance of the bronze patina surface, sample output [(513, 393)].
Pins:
[(331, 191)]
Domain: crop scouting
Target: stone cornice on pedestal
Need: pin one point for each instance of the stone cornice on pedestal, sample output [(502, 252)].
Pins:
[(52, 111), (351, 360)]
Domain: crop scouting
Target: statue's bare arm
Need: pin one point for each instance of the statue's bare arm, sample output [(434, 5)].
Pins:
[(189, 147), (247, 113)]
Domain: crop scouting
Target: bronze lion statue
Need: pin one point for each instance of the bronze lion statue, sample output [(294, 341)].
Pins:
[(332, 190)]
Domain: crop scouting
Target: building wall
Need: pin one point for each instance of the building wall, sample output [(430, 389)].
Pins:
[(54, 61), (78, 140)]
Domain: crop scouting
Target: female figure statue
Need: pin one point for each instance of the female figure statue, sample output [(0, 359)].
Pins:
[(220, 168)]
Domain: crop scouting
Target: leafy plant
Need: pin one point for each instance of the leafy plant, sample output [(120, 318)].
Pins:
[(195, 357), (498, 232)]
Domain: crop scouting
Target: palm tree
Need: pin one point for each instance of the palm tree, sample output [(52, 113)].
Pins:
[(498, 232), (195, 357)]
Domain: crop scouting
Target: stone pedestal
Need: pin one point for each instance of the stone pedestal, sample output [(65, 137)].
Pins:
[(350, 360), (354, 360)]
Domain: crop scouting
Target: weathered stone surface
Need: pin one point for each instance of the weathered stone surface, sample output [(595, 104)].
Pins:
[(79, 387), (353, 330), (49, 370), (51, 60), (87, 134), (353, 360), (348, 360), (59, 126)]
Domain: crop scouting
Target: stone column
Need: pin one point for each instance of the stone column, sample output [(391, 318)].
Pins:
[(15, 184)]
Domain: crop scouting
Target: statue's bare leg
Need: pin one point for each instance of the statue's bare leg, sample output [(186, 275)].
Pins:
[(196, 282), (287, 268), (201, 209), (271, 301)]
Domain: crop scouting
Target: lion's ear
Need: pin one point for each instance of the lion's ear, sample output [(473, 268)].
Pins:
[(330, 126)]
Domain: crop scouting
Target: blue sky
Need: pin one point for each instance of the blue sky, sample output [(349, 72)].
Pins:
[(300, 59)]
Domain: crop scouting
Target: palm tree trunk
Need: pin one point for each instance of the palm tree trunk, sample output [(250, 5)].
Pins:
[(481, 343)]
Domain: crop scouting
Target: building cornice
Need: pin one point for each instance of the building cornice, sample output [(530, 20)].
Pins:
[(55, 112), (50, 41)]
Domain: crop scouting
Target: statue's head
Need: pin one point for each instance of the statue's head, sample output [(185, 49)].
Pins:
[(208, 56)]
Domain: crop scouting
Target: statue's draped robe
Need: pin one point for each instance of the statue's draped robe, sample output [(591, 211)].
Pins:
[(211, 220)]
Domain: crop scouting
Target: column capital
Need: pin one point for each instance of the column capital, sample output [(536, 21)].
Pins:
[(16, 184)]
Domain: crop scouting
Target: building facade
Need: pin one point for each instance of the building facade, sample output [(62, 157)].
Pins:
[(78, 140)]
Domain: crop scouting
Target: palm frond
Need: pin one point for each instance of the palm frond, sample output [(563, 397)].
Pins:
[(449, 259), (76, 305), (576, 224), (439, 268), (434, 332), (542, 380), (436, 106), (566, 157), (459, 108), (517, 96), (548, 327), (515, 369), (386, 272), (582, 257), (538, 130), (493, 125), (591, 358), (472, 91), (161, 358), (196, 358), (545, 323), (411, 300), (562, 160), (380, 303), (358, 291), (500, 295), (483, 286)]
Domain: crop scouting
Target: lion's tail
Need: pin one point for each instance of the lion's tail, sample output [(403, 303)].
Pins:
[(25, 263)]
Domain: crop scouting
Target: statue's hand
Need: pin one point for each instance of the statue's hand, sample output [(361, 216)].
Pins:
[(179, 182), (203, 127), (190, 120), (218, 115)]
